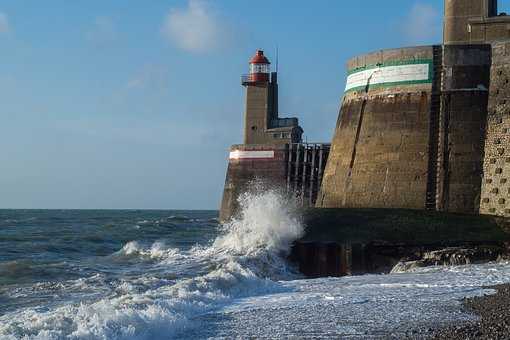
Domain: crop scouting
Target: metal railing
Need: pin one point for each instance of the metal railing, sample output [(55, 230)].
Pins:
[(253, 78)]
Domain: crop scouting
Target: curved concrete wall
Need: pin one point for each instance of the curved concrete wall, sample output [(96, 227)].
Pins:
[(408, 132), (379, 153)]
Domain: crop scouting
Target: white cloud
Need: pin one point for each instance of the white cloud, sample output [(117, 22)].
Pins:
[(4, 23), (103, 33), (196, 28), (423, 24)]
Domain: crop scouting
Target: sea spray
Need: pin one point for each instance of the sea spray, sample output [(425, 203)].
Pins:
[(268, 220), (260, 237), (203, 291), (245, 261)]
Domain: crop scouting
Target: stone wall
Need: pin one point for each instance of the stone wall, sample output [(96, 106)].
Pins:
[(257, 112), (496, 186), (379, 154), (416, 144), (262, 125), (490, 29), (458, 14), (267, 163), (466, 70)]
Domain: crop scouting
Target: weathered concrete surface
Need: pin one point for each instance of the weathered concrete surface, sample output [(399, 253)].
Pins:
[(412, 145), (380, 148), (294, 169), (413, 227), (262, 124), (490, 30), (389, 159), (474, 22), (496, 168), (464, 98), (458, 16), (258, 113), (242, 172), (341, 242)]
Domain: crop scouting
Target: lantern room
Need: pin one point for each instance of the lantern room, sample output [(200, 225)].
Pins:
[(259, 69)]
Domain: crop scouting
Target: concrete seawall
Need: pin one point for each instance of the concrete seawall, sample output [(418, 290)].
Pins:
[(410, 131), (341, 242)]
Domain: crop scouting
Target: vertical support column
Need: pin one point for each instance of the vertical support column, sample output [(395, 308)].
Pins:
[(321, 167), (306, 151), (289, 166), (296, 164), (313, 177)]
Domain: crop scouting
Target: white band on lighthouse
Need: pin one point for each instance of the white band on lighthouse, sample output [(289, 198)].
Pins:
[(390, 75), (239, 154)]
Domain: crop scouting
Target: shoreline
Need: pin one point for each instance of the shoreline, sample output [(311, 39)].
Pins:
[(493, 312)]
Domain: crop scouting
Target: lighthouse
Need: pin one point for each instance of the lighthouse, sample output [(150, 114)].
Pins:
[(260, 67), (262, 124)]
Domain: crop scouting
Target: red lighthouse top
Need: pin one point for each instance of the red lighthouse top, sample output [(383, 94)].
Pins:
[(259, 58), (259, 69)]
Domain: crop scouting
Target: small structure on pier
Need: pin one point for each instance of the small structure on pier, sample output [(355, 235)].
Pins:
[(423, 136), (273, 150)]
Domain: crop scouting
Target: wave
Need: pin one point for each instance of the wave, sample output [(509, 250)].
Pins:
[(157, 250), (248, 259)]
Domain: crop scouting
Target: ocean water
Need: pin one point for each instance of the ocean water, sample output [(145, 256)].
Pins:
[(181, 275)]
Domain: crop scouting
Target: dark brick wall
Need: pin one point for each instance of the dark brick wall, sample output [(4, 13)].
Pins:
[(466, 73), (495, 198)]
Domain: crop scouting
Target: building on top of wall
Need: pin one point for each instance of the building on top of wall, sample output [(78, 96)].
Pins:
[(272, 151), (423, 127), (428, 127), (262, 124), (474, 22)]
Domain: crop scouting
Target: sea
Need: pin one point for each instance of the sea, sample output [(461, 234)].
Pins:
[(140, 274)]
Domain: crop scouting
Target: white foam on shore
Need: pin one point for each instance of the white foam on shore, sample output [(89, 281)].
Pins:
[(369, 306), (248, 291)]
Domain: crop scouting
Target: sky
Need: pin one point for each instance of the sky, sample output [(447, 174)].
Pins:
[(133, 105)]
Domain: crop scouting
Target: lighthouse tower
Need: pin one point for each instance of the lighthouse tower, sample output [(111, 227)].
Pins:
[(261, 122), (469, 21)]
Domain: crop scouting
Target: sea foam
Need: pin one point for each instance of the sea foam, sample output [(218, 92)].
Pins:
[(244, 261)]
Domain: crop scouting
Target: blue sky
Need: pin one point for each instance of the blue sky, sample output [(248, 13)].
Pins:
[(130, 104)]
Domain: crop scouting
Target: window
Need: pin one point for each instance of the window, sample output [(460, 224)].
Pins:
[(259, 68)]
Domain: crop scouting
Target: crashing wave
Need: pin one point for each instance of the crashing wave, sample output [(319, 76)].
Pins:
[(246, 260)]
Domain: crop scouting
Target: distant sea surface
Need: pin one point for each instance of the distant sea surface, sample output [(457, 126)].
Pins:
[(136, 274)]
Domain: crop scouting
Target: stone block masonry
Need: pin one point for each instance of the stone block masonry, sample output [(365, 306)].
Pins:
[(410, 131), (495, 198)]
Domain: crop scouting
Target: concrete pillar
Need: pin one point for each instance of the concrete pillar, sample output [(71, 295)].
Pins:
[(458, 13)]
